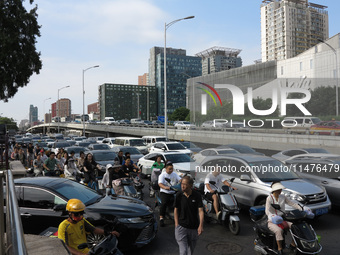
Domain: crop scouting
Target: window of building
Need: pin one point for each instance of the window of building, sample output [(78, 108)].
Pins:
[(281, 70), (311, 64), (300, 66)]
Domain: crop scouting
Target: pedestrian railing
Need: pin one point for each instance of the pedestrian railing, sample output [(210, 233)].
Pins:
[(12, 240)]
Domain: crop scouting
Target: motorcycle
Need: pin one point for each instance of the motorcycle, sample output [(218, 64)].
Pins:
[(302, 233), (227, 204), (139, 185)]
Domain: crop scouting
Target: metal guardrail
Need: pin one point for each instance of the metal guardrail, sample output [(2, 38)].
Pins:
[(12, 240)]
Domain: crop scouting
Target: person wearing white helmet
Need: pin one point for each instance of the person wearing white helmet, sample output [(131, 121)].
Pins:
[(275, 221), (73, 230)]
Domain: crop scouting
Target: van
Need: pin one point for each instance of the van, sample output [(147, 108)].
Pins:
[(132, 141), (299, 124), (136, 121), (150, 140), (109, 120)]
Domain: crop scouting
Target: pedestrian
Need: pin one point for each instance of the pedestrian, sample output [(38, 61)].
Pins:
[(50, 165), (165, 181), (189, 217)]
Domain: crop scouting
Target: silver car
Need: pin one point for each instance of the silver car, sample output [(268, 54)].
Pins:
[(254, 174), (324, 172)]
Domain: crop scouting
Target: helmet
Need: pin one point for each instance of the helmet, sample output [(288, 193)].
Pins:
[(75, 205)]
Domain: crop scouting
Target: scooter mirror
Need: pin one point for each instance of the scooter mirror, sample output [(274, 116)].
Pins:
[(212, 182), (277, 207), (232, 179), (168, 180)]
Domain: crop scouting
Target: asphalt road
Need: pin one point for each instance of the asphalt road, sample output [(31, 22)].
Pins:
[(217, 239)]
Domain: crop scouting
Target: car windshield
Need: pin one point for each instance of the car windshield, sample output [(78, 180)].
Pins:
[(317, 150), (104, 156), (101, 147), (316, 120), (136, 142), (61, 145), (186, 122), (244, 149), (272, 170), (179, 158), (42, 144), (161, 139), (131, 150), (227, 152), (189, 145), (175, 146), (76, 149), (76, 190)]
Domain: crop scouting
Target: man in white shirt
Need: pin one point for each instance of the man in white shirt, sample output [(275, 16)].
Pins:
[(166, 194), (210, 190)]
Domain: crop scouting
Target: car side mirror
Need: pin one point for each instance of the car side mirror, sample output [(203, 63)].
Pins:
[(276, 207), (339, 178), (245, 178)]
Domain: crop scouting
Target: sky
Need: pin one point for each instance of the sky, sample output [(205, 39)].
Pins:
[(117, 35)]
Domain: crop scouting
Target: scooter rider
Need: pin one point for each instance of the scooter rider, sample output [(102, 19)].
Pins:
[(275, 215), (166, 194), (210, 190), (74, 229)]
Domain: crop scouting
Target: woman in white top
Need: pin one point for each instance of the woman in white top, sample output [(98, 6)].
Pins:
[(277, 198)]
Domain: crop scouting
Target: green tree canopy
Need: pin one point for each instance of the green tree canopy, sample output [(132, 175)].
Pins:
[(18, 56), (179, 114), (11, 124)]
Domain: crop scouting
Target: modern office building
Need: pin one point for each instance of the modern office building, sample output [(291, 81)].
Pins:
[(124, 101), (64, 106), (217, 59), (180, 67), (143, 79), (290, 27), (33, 114)]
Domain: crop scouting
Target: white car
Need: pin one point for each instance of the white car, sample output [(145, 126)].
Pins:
[(110, 141), (286, 154), (200, 156), (182, 162), (184, 125), (169, 146)]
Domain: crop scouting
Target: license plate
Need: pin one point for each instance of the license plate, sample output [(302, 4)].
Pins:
[(321, 211)]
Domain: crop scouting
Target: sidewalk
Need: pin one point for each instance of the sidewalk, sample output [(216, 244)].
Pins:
[(42, 245)]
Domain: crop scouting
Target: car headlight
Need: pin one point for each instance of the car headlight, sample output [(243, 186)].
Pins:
[(294, 196), (131, 220)]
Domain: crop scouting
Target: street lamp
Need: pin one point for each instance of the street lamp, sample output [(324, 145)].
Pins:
[(336, 77), (44, 113), (58, 116), (166, 26), (84, 70)]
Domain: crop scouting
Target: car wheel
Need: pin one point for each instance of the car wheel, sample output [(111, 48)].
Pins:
[(94, 239)]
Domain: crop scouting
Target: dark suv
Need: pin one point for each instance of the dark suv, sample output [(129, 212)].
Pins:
[(42, 202)]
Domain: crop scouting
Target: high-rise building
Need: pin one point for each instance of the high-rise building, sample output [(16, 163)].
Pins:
[(33, 114), (124, 101), (217, 59), (290, 27), (180, 67), (143, 79), (61, 108)]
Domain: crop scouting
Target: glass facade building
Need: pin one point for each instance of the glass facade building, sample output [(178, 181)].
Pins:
[(124, 101), (180, 67)]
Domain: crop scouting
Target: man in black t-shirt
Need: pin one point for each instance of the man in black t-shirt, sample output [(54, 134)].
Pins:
[(189, 217)]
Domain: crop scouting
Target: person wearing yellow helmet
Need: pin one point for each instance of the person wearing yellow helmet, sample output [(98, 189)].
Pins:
[(73, 230)]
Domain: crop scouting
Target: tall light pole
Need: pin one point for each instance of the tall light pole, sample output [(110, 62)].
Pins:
[(44, 112), (166, 26), (59, 107), (336, 77), (84, 70)]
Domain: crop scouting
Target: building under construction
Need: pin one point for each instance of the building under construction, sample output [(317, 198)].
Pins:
[(217, 59)]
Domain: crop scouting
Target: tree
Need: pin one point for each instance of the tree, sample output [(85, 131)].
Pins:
[(179, 114), (11, 124), (18, 56)]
